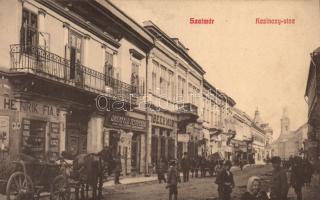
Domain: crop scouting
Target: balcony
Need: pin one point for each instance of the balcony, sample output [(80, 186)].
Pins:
[(49, 66), (187, 113), (187, 108)]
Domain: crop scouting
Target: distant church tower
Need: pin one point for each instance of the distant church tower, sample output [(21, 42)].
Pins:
[(285, 122)]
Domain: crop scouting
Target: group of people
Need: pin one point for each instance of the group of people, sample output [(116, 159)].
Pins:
[(300, 171), (198, 166)]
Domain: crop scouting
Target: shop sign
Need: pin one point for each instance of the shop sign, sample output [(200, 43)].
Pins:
[(312, 144), (160, 120), (28, 107), (115, 120), (183, 137)]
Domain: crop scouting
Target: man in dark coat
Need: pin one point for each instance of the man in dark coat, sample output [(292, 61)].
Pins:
[(173, 179), (117, 169), (297, 176), (225, 181), (185, 166), (279, 183)]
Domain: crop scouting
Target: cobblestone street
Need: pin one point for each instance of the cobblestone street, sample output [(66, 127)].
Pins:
[(199, 188)]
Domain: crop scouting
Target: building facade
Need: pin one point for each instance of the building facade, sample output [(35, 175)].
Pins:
[(218, 121), (312, 98), (174, 96), (57, 60)]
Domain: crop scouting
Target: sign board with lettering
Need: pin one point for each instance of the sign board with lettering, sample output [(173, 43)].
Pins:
[(157, 119), (183, 137), (117, 120), (31, 107)]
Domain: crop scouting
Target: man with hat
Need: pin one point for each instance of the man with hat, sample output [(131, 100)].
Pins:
[(225, 181), (279, 184), (172, 180)]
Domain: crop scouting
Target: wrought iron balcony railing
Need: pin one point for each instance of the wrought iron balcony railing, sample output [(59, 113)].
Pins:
[(36, 60), (188, 108)]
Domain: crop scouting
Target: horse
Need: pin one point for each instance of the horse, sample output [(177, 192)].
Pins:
[(89, 170)]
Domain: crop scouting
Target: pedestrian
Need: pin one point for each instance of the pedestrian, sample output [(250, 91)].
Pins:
[(297, 177), (241, 164), (161, 171), (203, 166), (185, 166), (173, 179), (196, 166), (279, 182), (225, 181), (308, 171), (254, 191), (117, 169), (192, 166)]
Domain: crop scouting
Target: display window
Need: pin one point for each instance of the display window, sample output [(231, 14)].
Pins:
[(33, 138)]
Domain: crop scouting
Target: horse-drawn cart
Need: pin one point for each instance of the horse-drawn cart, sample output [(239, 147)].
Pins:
[(28, 179)]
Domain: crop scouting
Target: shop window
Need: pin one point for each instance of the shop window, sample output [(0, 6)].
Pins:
[(171, 148), (54, 139), (33, 140), (29, 30), (154, 149), (163, 147)]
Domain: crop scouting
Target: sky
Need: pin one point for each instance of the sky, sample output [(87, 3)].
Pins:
[(262, 66)]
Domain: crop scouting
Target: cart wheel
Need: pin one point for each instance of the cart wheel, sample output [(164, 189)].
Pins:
[(60, 189), (19, 187)]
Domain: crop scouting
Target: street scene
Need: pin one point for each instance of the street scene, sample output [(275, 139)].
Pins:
[(158, 99)]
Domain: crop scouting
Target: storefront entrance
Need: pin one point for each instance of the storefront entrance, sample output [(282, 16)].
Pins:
[(135, 153), (114, 139)]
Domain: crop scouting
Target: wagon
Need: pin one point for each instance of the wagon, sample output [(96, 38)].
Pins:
[(29, 179)]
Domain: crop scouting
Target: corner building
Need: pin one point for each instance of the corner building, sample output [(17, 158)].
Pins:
[(56, 58)]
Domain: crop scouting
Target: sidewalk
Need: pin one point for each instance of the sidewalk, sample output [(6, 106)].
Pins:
[(141, 179), (131, 180)]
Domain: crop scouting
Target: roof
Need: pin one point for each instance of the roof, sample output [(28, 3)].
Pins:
[(125, 18), (217, 92), (157, 33)]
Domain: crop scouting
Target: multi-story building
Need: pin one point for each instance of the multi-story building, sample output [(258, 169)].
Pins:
[(174, 88), (242, 142), (56, 58), (218, 123), (259, 138), (312, 96), (78, 76)]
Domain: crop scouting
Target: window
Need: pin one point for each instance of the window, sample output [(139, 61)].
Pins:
[(29, 29), (74, 49), (135, 76), (169, 85), (154, 76), (181, 88), (109, 69), (163, 82)]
